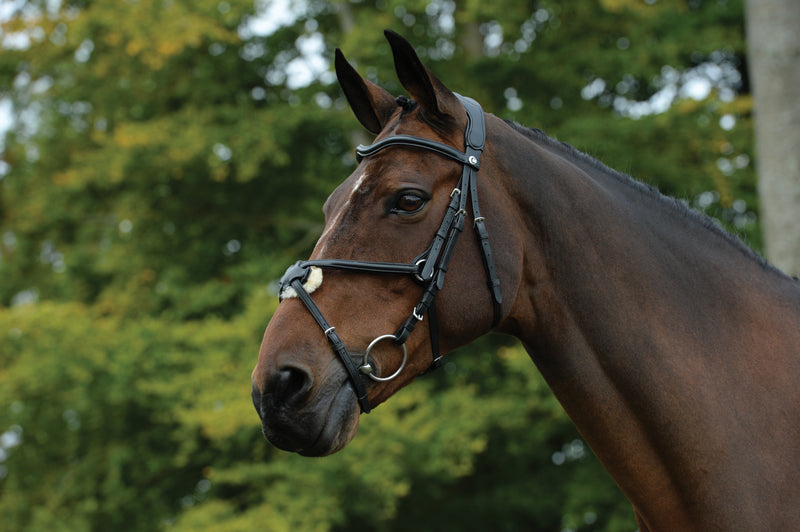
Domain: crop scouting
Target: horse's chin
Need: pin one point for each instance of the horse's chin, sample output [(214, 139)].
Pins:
[(318, 430)]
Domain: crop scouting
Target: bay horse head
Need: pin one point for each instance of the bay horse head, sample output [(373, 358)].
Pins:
[(345, 336)]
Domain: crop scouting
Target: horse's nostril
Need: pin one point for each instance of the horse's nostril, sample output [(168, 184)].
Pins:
[(292, 384)]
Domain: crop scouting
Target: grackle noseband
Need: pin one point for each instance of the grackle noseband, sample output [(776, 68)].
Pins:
[(428, 269)]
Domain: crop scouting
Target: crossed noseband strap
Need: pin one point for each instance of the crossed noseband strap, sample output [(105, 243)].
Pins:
[(428, 269)]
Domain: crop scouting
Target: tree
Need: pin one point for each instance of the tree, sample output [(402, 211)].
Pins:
[(773, 51)]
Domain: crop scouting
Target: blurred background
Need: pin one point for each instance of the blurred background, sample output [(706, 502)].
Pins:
[(163, 161)]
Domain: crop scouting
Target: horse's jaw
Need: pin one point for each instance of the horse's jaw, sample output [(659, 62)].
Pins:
[(317, 429)]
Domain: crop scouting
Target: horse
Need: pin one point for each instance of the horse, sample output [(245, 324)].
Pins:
[(674, 349)]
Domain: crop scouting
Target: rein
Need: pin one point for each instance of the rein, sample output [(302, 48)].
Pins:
[(428, 269)]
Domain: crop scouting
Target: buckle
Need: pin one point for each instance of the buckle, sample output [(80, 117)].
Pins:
[(297, 271)]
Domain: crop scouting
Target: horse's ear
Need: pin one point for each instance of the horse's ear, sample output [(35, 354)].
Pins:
[(436, 101), (372, 105)]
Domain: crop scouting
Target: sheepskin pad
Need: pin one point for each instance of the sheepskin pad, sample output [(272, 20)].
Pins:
[(314, 281)]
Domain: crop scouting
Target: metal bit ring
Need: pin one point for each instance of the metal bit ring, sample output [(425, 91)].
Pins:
[(366, 367)]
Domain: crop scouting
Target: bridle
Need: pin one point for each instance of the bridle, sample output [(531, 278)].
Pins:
[(428, 269)]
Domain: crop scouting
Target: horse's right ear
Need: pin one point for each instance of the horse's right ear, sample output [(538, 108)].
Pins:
[(372, 105)]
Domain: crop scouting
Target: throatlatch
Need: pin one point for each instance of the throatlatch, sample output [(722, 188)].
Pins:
[(429, 268)]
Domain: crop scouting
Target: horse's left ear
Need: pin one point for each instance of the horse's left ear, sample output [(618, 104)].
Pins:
[(372, 105), (437, 102)]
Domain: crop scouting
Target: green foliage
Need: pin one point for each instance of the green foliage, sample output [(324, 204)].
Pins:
[(165, 167)]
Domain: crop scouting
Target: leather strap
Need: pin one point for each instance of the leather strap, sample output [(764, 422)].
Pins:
[(413, 142), (363, 266), (337, 344), (430, 267)]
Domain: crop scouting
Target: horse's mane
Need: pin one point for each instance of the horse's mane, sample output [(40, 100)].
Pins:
[(406, 104), (589, 163)]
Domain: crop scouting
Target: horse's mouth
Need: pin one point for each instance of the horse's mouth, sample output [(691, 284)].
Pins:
[(317, 430)]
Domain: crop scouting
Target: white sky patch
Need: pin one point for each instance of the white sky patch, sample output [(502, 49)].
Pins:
[(6, 119), (30, 13), (696, 88), (658, 103), (7, 9), (311, 64), (271, 15), (697, 84), (594, 89), (303, 70)]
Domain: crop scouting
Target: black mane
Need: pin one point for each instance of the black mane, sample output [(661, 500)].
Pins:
[(406, 104)]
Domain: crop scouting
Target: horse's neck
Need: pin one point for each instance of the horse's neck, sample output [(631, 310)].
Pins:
[(644, 321), (634, 270)]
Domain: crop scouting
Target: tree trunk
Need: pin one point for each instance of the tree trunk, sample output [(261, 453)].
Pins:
[(773, 41)]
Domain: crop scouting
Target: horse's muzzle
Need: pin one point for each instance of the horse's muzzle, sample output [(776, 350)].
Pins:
[(256, 395), (297, 418)]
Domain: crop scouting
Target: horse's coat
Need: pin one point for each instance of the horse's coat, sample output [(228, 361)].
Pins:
[(673, 348)]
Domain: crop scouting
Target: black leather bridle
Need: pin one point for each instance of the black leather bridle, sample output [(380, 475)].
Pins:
[(429, 268)]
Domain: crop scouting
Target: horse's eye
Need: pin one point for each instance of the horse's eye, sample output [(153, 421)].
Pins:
[(408, 203)]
